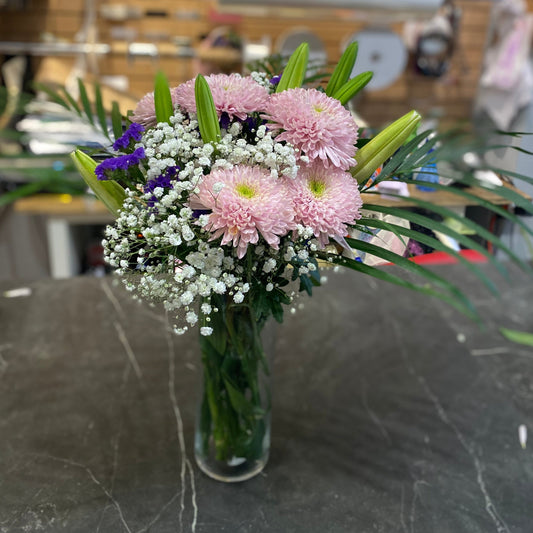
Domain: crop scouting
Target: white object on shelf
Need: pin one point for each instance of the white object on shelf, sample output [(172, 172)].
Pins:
[(63, 256), (381, 51)]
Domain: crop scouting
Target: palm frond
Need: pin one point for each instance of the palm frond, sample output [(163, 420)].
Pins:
[(435, 244), (383, 274), (434, 225)]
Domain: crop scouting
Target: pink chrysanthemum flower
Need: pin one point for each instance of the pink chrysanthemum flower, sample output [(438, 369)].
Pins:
[(232, 94), (325, 200), (315, 124), (246, 202), (144, 113)]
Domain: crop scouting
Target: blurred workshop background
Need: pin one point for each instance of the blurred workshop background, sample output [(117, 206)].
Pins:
[(454, 61)]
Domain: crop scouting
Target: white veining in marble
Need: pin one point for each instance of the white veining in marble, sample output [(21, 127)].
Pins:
[(97, 482), (501, 526), (375, 419), (112, 298), (130, 353)]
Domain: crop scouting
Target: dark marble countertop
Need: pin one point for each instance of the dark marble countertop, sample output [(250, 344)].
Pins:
[(392, 413)]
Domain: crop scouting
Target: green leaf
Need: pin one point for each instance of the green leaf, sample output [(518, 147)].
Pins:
[(162, 99), (85, 101), (351, 88), (383, 146), (478, 230), (391, 168), (428, 241), (306, 285), (503, 191), (73, 104), (116, 120), (520, 337), (206, 111), (237, 399), (294, 72), (100, 110), (108, 191), (408, 266), (435, 225), (382, 274), (482, 232), (343, 70), (52, 94)]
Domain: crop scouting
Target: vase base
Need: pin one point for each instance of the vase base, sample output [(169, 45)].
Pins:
[(231, 473)]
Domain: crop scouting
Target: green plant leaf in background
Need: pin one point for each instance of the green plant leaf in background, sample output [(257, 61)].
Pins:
[(73, 104), (116, 120), (85, 102), (520, 337), (206, 111), (294, 73), (53, 95), (343, 70), (411, 267), (100, 110), (432, 242), (162, 99), (383, 274), (108, 191), (383, 146)]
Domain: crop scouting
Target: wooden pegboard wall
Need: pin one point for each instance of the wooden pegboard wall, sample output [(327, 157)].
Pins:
[(451, 95)]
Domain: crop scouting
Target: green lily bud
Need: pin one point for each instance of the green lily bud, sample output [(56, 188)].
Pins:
[(163, 101), (383, 146), (108, 191), (206, 111), (352, 87), (294, 73), (343, 70)]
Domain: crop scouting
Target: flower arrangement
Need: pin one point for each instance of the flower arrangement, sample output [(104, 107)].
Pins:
[(228, 188)]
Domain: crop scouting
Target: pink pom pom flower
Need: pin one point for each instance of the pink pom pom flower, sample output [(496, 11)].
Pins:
[(246, 202), (144, 113), (315, 124), (325, 200), (232, 94)]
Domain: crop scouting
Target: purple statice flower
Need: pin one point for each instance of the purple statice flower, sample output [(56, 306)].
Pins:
[(275, 79), (163, 181), (225, 121), (133, 133), (107, 167)]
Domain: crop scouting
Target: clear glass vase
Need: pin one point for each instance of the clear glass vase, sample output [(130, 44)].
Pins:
[(232, 434)]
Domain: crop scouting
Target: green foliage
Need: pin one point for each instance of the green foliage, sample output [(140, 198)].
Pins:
[(386, 275), (85, 102), (95, 114), (400, 231), (343, 70), (352, 87), (234, 404), (294, 73), (162, 99), (100, 111), (206, 111), (108, 191), (383, 146), (520, 337), (116, 120)]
